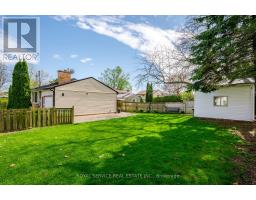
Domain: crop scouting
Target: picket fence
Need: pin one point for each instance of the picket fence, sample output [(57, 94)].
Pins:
[(21, 119)]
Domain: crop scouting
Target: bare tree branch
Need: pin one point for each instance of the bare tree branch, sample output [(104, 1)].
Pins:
[(4, 75), (167, 67)]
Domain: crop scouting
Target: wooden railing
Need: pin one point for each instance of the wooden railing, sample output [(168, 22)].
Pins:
[(21, 119)]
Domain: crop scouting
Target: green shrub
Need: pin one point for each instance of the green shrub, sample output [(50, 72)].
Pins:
[(172, 98), (3, 103), (187, 96)]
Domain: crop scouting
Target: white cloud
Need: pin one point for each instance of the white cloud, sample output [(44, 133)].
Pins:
[(140, 36), (85, 60), (62, 17), (56, 56), (73, 56)]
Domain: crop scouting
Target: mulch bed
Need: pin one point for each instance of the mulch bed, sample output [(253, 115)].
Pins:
[(246, 131)]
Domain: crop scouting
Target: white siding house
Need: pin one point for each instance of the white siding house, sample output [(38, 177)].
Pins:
[(233, 102), (88, 96)]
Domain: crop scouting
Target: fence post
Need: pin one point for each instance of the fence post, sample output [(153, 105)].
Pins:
[(1, 120), (8, 121), (39, 117), (72, 114), (54, 116), (25, 119), (33, 117), (30, 119)]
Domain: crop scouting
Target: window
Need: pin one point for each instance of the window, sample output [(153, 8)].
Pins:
[(220, 101), (62, 94), (35, 97)]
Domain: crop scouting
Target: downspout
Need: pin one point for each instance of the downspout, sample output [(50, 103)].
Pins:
[(53, 96), (53, 103)]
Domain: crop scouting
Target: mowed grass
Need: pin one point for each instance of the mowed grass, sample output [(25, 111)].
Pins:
[(141, 149)]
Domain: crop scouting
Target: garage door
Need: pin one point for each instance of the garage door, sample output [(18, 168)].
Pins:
[(87, 103)]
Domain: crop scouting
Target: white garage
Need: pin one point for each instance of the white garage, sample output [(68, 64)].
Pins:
[(88, 96), (235, 101)]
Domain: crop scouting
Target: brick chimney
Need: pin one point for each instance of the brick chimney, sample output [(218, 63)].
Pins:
[(64, 76)]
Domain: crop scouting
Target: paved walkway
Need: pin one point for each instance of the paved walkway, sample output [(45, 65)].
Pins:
[(89, 118)]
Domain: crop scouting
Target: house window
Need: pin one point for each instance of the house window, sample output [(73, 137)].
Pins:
[(62, 94), (35, 97), (220, 101)]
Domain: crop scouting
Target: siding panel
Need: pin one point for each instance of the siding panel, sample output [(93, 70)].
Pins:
[(87, 97), (240, 103)]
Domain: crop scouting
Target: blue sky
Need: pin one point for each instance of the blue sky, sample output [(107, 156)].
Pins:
[(90, 44)]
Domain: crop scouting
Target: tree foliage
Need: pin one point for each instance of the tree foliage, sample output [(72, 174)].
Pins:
[(116, 78), (223, 49), (171, 98), (187, 96), (20, 89), (10, 98), (149, 93)]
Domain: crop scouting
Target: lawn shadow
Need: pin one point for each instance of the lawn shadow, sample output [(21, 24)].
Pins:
[(190, 152), (142, 149)]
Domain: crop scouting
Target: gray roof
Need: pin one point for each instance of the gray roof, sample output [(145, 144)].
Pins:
[(53, 85), (238, 81)]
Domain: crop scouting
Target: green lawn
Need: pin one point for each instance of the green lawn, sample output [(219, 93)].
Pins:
[(142, 149)]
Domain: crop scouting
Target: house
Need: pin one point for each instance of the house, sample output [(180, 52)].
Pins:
[(133, 98), (156, 93), (122, 94), (233, 101), (88, 95), (3, 95), (128, 96)]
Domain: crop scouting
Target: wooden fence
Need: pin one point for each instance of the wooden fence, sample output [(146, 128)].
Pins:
[(3, 104), (21, 119), (186, 107)]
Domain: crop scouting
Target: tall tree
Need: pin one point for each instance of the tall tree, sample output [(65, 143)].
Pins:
[(222, 50), (10, 97), (21, 94), (116, 78), (149, 93)]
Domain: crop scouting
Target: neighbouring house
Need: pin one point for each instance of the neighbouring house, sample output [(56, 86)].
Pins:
[(233, 101), (128, 96), (122, 94), (3, 94), (156, 93), (88, 95), (133, 98)]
